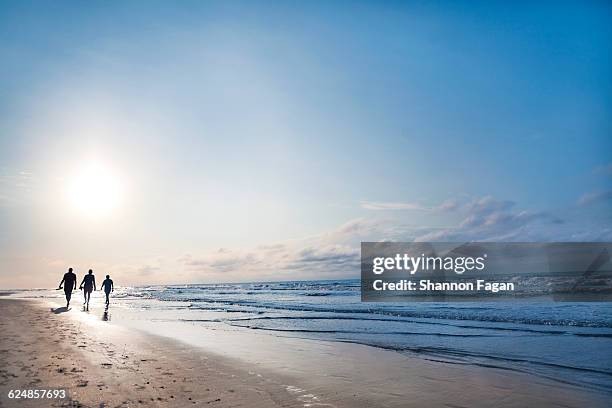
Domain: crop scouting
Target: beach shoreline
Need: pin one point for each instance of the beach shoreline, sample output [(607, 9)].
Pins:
[(104, 364)]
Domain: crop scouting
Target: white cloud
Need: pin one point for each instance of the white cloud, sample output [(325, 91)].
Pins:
[(288, 262), (381, 205), (489, 219), (335, 253), (591, 198)]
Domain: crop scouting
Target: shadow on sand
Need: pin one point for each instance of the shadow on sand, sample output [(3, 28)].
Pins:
[(59, 310)]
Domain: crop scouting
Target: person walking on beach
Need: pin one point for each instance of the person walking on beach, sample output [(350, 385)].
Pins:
[(107, 285), (69, 282), (88, 284)]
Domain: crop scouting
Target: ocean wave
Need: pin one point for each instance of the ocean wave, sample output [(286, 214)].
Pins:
[(462, 326), (491, 315)]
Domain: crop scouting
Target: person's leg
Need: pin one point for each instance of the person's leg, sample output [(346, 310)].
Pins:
[(107, 294), (68, 296)]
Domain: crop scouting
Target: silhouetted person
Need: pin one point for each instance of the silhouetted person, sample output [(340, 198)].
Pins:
[(107, 285), (69, 282), (88, 284)]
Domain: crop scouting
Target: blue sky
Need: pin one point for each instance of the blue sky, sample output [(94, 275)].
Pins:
[(301, 128)]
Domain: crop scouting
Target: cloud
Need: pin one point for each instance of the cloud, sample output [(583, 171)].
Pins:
[(490, 219), (481, 205), (148, 270), (327, 259), (222, 260), (380, 205), (487, 205), (335, 253), (602, 235), (272, 247), (283, 261), (591, 198), (355, 230), (449, 205)]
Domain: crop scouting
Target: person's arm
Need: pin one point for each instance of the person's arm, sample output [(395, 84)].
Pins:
[(112, 287), (62, 282), (81, 285), (75, 279), (94, 282)]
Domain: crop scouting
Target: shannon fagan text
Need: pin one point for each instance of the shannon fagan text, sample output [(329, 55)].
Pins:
[(426, 285)]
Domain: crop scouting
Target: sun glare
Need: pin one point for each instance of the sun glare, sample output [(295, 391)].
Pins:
[(94, 190)]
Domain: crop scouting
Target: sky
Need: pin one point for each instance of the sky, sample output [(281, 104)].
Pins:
[(192, 142)]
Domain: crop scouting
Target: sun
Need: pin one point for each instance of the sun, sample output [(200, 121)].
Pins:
[(94, 190)]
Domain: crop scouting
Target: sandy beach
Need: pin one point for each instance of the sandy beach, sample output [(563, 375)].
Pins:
[(45, 349), (105, 365)]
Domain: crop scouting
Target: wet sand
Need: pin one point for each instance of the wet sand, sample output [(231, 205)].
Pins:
[(106, 365)]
